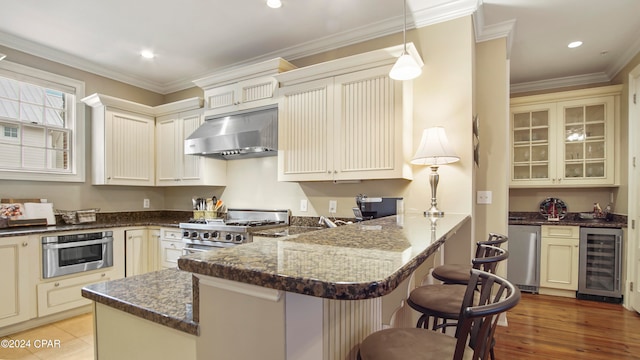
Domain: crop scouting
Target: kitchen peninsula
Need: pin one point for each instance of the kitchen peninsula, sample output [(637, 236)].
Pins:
[(308, 296)]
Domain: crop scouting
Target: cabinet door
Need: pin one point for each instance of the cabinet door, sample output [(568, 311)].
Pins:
[(533, 145), (130, 149), (167, 143), (559, 257), (368, 126), (305, 132), (586, 142), (241, 95), (137, 252), (190, 165), (17, 256)]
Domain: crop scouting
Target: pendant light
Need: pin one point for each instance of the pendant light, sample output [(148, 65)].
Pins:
[(406, 67)]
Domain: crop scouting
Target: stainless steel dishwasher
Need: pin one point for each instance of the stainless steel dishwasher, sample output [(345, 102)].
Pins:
[(523, 264)]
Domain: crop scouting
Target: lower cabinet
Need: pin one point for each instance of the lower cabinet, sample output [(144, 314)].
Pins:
[(141, 254), (171, 246), (66, 294), (18, 259), (559, 259)]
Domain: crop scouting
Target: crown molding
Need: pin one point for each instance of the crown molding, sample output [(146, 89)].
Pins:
[(556, 83)]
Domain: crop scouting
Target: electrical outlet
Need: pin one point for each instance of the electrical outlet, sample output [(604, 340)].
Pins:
[(333, 206), (146, 203), (303, 205), (483, 197)]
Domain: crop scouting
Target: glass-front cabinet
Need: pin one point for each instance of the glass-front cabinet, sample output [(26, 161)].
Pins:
[(567, 142)]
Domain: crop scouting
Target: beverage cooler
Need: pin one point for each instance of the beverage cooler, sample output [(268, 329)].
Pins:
[(600, 264)]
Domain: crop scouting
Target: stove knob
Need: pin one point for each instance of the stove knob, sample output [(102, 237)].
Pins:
[(215, 234), (238, 238), (228, 237), (194, 235), (205, 235), (185, 234)]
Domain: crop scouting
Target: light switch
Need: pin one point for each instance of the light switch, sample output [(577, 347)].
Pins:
[(303, 205), (483, 197)]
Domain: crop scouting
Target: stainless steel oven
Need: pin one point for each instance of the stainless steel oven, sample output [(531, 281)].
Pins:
[(68, 254)]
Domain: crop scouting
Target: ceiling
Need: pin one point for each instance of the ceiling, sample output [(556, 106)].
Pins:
[(195, 38)]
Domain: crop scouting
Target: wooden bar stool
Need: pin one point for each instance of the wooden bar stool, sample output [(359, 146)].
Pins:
[(441, 302), (478, 315), (459, 273)]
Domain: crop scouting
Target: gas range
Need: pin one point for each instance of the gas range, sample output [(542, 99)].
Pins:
[(237, 228)]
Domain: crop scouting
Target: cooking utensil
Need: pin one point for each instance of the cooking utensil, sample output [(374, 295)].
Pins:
[(218, 205)]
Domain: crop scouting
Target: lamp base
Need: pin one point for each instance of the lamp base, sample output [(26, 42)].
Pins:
[(433, 212)]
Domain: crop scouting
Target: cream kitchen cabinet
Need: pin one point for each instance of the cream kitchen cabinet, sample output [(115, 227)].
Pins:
[(565, 139), (66, 293), (171, 246), (242, 88), (18, 264), (123, 142), (346, 127), (173, 167), (559, 256), (141, 251)]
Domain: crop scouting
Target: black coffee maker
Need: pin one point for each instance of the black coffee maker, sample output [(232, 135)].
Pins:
[(375, 207)]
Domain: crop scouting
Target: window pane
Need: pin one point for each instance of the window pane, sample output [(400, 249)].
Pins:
[(58, 140), (54, 117), (8, 132), (55, 99), (33, 158), (32, 94), (9, 88), (10, 155), (31, 113), (58, 160), (33, 136), (8, 109)]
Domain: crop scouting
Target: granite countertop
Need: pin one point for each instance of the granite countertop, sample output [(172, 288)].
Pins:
[(350, 262), (571, 219), (164, 297), (286, 231), (106, 221)]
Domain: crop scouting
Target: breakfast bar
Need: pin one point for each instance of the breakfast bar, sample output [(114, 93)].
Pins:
[(313, 295)]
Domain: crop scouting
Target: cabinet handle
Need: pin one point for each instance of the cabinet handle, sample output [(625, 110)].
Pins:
[(56, 284), (103, 275), (25, 244), (173, 245)]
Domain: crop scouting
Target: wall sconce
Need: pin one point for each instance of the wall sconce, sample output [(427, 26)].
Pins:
[(434, 150)]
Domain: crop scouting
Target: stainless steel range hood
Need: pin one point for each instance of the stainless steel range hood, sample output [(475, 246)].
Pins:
[(252, 133)]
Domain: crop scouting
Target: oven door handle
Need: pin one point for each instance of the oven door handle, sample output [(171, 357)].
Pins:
[(188, 250), (77, 244)]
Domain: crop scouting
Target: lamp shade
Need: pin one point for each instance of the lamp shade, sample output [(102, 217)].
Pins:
[(405, 68), (434, 148)]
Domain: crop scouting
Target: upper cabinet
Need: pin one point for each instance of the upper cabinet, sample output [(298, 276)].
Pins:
[(131, 147), (344, 120), (173, 167), (122, 136), (565, 139), (242, 88)]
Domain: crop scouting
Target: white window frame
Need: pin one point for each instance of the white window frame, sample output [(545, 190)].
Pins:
[(76, 119)]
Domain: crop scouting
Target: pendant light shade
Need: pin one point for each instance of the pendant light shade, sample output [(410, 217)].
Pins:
[(406, 67)]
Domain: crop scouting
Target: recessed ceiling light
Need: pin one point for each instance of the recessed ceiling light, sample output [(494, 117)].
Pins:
[(147, 54), (274, 4), (574, 44)]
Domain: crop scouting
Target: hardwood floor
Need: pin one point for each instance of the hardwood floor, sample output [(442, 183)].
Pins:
[(549, 327)]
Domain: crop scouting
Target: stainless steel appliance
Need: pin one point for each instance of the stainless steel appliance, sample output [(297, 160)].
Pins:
[(238, 228), (252, 133), (68, 254), (375, 207), (600, 264), (523, 265)]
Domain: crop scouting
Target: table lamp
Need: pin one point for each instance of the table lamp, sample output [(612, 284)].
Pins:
[(434, 150)]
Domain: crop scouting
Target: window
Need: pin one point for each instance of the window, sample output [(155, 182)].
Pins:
[(41, 127)]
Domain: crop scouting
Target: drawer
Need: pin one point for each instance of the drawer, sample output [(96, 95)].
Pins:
[(171, 234), (559, 231)]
